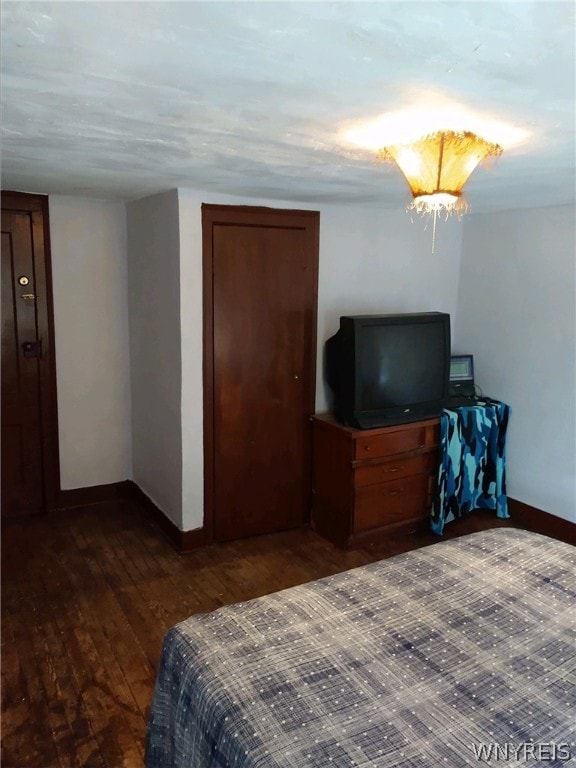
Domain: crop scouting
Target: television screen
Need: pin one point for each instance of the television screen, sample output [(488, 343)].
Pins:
[(386, 369)]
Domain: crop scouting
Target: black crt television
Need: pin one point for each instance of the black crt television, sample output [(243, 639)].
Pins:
[(389, 369)]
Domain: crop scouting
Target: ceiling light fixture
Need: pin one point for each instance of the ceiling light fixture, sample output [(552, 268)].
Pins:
[(436, 168)]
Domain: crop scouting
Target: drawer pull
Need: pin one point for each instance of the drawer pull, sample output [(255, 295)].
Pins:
[(394, 493), (392, 469)]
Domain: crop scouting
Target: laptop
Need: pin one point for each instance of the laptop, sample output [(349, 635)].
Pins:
[(461, 376)]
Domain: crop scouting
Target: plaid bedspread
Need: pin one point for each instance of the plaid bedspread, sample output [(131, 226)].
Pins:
[(461, 653)]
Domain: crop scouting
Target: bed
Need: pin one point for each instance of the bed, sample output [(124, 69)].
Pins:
[(455, 654)]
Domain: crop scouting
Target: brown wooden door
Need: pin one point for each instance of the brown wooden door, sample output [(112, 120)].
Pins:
[(28, 465), (261, 275)]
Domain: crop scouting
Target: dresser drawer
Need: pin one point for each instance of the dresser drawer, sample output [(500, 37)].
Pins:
[(392, 469), (389, 443), (390, 502)]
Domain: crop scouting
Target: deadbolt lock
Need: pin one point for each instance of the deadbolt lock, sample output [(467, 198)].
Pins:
[(32, 348), (23, 280)]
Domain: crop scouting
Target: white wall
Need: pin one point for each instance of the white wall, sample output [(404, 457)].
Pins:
[(88, 243), (155, 349), (192, 355), (378, 262), (516, 314), (370, 261)]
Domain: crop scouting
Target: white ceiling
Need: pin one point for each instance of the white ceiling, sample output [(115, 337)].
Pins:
[(121, 100)]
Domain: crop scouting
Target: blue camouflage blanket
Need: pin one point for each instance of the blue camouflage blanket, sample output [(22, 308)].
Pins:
[(472, 471)]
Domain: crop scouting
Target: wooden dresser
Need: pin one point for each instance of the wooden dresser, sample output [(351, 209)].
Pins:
[(367, 482)]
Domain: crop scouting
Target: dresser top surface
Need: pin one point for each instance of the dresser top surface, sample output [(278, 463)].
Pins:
[(329, 421)]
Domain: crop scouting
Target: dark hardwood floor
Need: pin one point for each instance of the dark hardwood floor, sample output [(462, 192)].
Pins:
[(87, 596)]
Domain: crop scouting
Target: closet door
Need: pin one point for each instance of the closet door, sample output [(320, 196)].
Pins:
[(260, 288)]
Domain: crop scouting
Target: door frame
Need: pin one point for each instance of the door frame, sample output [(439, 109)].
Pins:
[(37, 207), (252, 215)]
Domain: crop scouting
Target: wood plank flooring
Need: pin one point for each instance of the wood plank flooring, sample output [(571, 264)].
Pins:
[(87, 597)]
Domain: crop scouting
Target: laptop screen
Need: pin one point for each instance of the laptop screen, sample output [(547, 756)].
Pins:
[(461, 368)]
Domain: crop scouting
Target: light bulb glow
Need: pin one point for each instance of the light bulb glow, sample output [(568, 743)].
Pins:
[(439, 201), (433, 113), (409, 161)]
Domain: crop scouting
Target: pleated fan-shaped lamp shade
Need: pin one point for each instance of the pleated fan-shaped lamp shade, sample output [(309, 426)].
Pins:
[(438, 166)]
